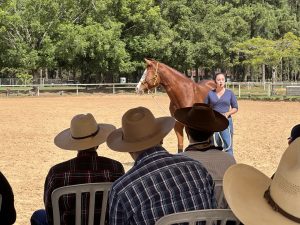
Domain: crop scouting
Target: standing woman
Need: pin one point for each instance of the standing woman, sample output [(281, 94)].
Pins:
[(223, 101)]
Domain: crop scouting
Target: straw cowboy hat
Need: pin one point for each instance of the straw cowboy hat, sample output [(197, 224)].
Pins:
[(201, 117), (256, 199), (84, 133), (140, 130)]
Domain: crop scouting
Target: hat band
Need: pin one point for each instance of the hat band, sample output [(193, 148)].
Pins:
[(91, 135), (277, 208)]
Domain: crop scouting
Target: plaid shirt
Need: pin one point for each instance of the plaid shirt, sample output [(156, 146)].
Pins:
[(159, 184), (87, 167)]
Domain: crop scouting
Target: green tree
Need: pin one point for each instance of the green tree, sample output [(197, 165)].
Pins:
[(259, 51)]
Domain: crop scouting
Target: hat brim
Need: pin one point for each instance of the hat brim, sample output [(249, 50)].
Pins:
[(115, 139), (64, 139), (220, 123), (244, 188)]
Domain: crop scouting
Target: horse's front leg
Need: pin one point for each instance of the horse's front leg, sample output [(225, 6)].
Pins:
[(179, 133), (178, 128)]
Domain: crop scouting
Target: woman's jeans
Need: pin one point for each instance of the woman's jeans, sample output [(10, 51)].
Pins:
[(224, 138)]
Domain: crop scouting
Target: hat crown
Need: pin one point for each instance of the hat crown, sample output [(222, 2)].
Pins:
[(285, 186), (138, 123), (83, 125), (295, 132), (202, 117), (203, 110)]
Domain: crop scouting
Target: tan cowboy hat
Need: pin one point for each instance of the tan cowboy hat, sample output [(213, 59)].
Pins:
[(201, 117), (84, 133), (256, 199), (140, 130)]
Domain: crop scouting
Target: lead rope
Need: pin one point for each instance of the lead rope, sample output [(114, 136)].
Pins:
[(222, 141), (159, 105), (164, 110)]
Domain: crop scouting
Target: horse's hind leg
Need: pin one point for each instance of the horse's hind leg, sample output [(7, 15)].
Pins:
[(179, 133)]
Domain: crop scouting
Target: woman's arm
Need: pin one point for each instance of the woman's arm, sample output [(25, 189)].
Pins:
[(231, 112), (234, 106)]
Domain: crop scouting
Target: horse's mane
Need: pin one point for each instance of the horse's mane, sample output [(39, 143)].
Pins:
[(176, 72)]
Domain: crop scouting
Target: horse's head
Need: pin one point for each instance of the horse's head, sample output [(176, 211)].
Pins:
[(150, 78)]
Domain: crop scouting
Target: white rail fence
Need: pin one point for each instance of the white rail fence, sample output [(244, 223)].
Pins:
[(241, 89), (62, 89)]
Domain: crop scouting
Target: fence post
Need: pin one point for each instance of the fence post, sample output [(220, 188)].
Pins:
[(76, 89), (269, 89), (239, 90), (155, 89), (38, 91), (113, 88)]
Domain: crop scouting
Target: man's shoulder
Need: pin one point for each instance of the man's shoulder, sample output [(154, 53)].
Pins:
[(61, 166), (108, 160), (214, 155), (144, 171)]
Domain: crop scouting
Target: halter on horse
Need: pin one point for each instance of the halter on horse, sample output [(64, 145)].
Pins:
[(182, 91)]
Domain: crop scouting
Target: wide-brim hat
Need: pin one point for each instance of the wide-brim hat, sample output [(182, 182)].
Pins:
[(201, 117), (295, 133), (84, 133), (140, 130), (257, 199)]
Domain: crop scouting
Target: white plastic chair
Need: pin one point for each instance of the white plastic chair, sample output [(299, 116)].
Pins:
[(221, 201), (209, 216), (0, 202), (78, 189)]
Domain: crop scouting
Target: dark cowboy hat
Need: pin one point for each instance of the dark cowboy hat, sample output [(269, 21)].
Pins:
[(201, 117), (295, 133)]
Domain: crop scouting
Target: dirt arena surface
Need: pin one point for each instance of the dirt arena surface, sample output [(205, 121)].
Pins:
[(28, 126)]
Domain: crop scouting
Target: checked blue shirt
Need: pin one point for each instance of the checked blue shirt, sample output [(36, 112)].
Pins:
[(159, 184)]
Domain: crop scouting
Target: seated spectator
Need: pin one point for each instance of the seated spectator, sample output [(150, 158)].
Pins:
[(84, 136), (295, 133), (7, 209), (257, 199), (159, 183), (201, 121)]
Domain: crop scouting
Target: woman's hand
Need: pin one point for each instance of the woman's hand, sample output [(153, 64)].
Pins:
[(227, 114)]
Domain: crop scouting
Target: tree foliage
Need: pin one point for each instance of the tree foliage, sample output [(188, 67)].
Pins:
[(99, 40)]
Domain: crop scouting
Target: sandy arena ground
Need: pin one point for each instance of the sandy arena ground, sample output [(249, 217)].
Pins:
[(28, 126)]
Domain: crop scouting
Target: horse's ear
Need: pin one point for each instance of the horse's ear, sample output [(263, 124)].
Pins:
[(148, 61)]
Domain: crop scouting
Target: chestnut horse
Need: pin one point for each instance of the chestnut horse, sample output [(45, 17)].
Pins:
[(182, 91)]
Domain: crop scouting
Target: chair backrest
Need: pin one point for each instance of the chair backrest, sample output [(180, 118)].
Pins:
[(78, 189), (206, 216), (0, 202), (221, 201)]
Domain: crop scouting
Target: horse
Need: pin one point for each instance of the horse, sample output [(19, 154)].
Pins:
[(182, 91)]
